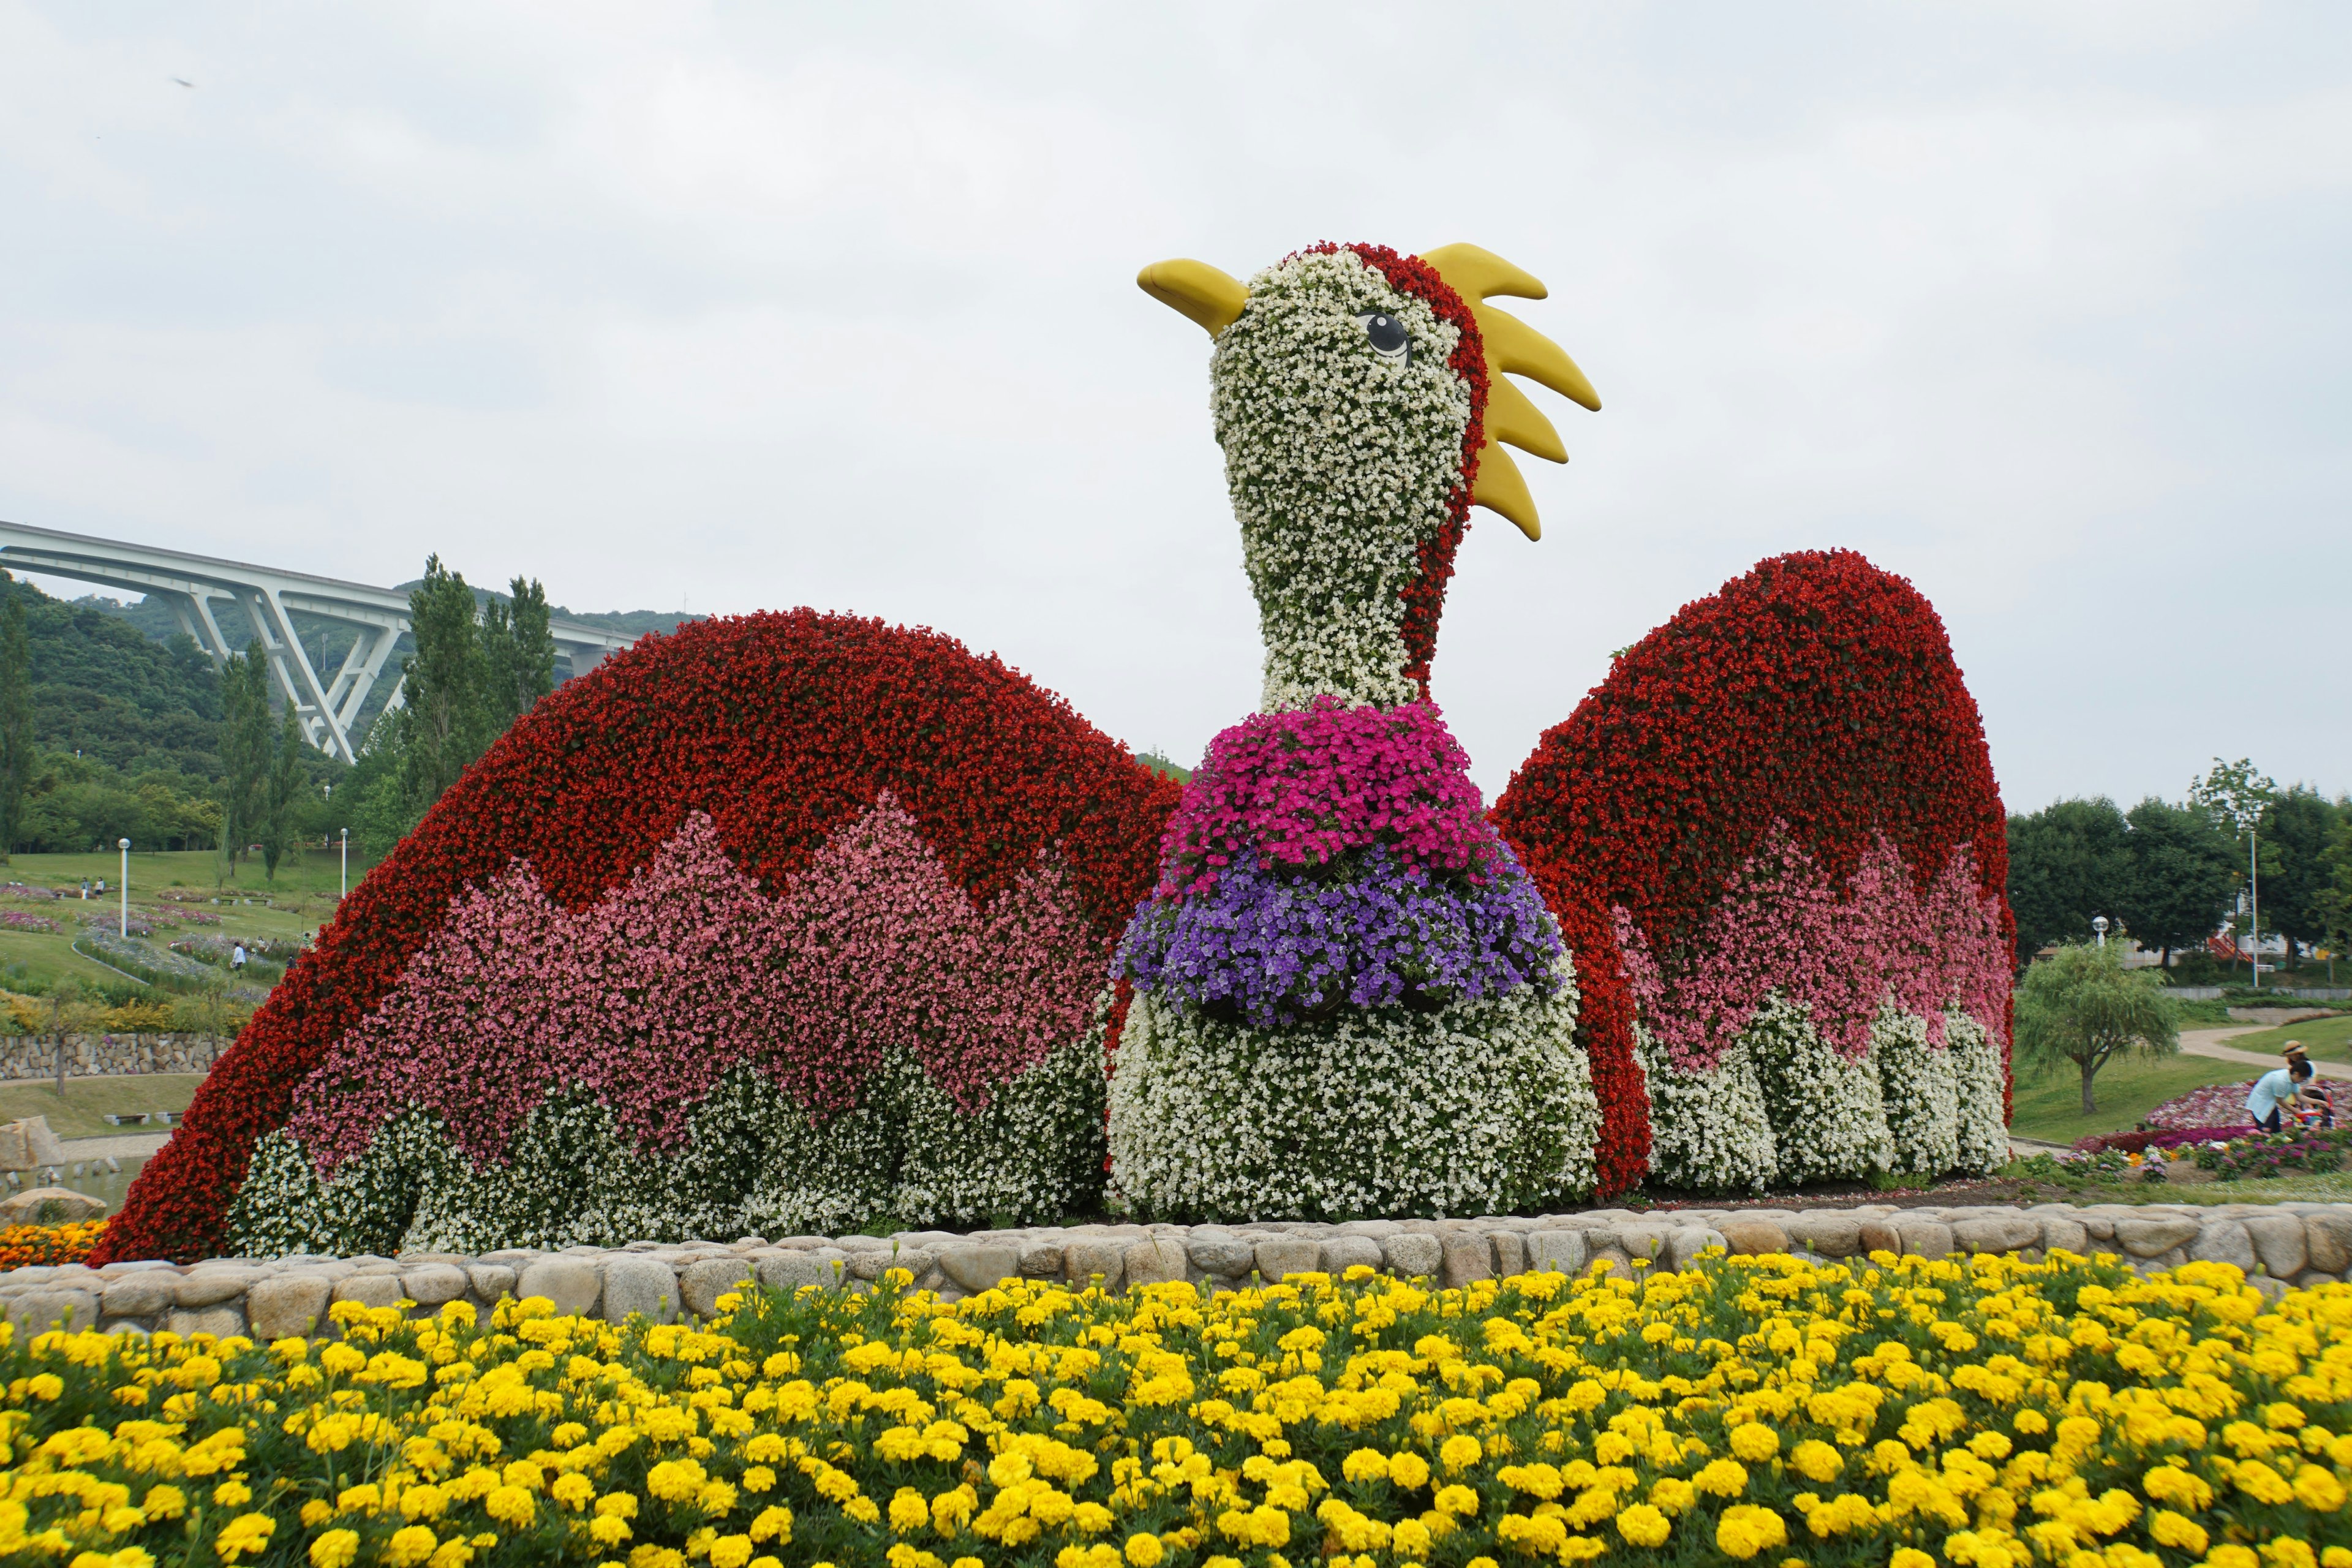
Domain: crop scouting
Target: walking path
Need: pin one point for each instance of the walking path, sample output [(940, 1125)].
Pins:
[(2208, 1043), (128, 1146)]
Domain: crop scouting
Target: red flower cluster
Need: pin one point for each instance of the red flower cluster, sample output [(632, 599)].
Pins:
[(782, 727), (1424, 595), (1816, 691)]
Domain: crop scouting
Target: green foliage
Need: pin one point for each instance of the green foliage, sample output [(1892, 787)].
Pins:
[(470, 678), (245, 750), (2067, 863), (279, 818), (72, 803), (15, 720), (2084, 1006), (2182, 876), (98, 686), (2297, 832)]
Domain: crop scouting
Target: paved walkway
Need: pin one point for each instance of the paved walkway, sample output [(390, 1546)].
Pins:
[(128, 1146), (2208, 1043)]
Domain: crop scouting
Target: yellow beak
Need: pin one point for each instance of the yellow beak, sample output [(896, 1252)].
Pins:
[(1211, 298)]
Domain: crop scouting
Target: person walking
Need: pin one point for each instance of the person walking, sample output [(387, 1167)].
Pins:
[(2272, 1091), (236, 959)]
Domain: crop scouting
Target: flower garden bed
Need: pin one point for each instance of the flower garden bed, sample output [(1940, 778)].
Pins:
[(1908, 1412)]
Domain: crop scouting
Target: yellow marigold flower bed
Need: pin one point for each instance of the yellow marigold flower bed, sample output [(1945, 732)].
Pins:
[(1982, 1412)]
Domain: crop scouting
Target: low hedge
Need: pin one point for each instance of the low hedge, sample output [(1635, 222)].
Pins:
[(1984, 1411)]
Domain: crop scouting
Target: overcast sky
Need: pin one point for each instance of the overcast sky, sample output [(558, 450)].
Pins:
[(2043, 306)]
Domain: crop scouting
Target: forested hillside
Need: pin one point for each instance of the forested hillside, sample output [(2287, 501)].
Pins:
[(100, 688)]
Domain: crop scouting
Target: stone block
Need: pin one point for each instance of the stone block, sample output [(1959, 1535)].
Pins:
[(28, 1144), (1643, 1241), (1288, 1254), (1156, 1262), (139, 1295), (2278, 1244), (2153, 1235), (572, 1284), (790, 1270), (1226, 1259), (1684, 1246), (1878, 1234), (635, 1285), (2224, 1241), (1747, 1236), (1607, 1260), (431, 1284), (703, 1283), (1341, 1253), (1083, 1260), (491, 1281), (1923, 1238), (1468, 1256), (1831, 1235), (38, 1312), (978, 1269), (916, 1260), (220, 1322), (1412, 1255), (1041, 1260), (370, 1290), (207, 1287), (1557, 1251), (1508, 1249), (49, 1206), (289, 1306), (2327, 1241), (2058, 1231), (1997, 1232)]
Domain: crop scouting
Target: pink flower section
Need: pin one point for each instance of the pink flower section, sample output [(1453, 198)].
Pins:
[(644, 999), (1304, 787), (1781, 926)]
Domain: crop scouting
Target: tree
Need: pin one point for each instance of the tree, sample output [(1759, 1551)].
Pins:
[(518, 656), (2298, 827), (2083, 1006), (2235, 795), (16, 722), (285, 781), (2181, 877), (245, 750), (2067, 863), (442, 723)]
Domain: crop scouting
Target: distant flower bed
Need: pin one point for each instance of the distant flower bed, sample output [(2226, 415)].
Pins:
[(2277, 1154), (106, 923), (197, 917), (2168, 1139), (184, 896), (16, 920), (1766, 1410), (38, 1245), (2215, 1105), (26, 890)]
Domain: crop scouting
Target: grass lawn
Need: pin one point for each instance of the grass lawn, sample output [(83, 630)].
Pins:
[(312, 872), (82, 1113), (2328, 1039), (2049, 1105)]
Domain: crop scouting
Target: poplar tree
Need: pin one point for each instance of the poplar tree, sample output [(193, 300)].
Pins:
[(285, 781), (245, 750)]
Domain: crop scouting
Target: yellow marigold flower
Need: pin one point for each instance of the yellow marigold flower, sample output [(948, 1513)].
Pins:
[(908, 1512), (1456, 1500), (247, 1533), (233, 1493), (1721, 1477), (609, 1529), (1754, 1442), (1817, 1461), (163, 1502), (1673, 1495), (2167, 1528), (1910, 1557), (46, 1385), (674, 1480), (1408, 1471), (1365, 1465), (1643, 1525), (1746, 1529), (574, 1491), (2230, 1556), (408, 1547), (863, 1509), (316, 1512), (1144, 1551), (2318, 1490), (335, 1549), (1458, 1454), (730, 1552)]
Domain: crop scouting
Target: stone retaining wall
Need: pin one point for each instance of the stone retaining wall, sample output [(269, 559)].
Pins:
[(107, 1055), (274, 1298)]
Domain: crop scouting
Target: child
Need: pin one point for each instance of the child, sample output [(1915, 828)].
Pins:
[(2275, 1089)]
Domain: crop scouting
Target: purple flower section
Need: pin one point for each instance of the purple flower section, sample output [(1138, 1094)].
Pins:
[(1304, 788), (1275, 946)]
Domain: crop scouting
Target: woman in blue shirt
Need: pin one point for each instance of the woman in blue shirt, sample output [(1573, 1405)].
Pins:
[(2273, 1090)]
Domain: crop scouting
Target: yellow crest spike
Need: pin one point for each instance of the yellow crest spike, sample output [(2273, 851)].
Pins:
[(1198, 291), (1501, 489), (1515, 348), (1512, 415), (1476, 273)]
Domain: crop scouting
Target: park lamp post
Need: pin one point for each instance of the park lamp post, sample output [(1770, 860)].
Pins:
[(124, 888), (347, 865), (2099, 924)]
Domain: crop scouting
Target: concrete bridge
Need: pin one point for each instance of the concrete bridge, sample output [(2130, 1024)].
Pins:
[(193, 585)]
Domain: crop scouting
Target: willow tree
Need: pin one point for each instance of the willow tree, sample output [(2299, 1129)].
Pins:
[(2082, 1006)]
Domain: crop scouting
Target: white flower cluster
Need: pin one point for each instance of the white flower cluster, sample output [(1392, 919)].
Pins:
[(753, 1162), (1828, 1121), (1782, 1107), (1340, 460), (1709, 1131), (1482, 1107)]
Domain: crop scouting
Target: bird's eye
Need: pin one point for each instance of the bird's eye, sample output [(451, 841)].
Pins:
[(1387, 335)]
